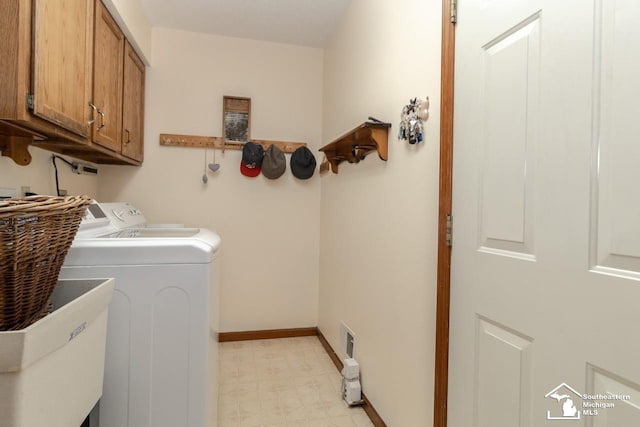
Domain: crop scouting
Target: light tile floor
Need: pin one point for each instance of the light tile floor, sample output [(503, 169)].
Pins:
[(288, 382)]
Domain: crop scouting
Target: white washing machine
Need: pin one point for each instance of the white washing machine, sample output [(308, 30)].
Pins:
[(162, 354)]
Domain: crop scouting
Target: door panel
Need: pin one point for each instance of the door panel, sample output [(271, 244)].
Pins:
[(62, 61), (133, 105), (545, 201), (107, 80), (504, 379), (605, 382), (511, 64), (616, 111)]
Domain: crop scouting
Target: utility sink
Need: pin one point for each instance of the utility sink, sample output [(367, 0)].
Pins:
[(51, 372)]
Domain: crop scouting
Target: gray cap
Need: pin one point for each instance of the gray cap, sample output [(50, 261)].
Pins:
[(274, 164)]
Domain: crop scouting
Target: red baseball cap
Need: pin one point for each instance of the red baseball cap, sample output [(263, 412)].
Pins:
[(251, 163)]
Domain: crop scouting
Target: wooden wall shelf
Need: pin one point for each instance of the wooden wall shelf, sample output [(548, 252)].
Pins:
[(356, 144), (217, 142)]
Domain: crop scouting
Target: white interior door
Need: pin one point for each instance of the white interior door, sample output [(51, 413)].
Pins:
[(545, 292)]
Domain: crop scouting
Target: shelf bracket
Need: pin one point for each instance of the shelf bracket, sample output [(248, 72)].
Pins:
[(17, 148)]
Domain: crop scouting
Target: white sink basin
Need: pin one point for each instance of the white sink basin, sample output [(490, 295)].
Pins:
[(51, 372)]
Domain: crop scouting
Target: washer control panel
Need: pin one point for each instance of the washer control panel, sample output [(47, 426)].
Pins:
[(124, 215)]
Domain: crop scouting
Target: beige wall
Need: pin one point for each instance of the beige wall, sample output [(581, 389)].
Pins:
[(269, 229), (130, 16), (379, 220), (39, 175)]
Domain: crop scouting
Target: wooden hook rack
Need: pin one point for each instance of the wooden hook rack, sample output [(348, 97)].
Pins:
[(216, 142)]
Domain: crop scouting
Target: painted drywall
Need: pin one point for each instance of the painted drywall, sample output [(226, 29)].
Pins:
[(269, 229), (379, 219), (131, 17), (39, 176)]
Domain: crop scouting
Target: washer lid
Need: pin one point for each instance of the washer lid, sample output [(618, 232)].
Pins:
[(138, 246)]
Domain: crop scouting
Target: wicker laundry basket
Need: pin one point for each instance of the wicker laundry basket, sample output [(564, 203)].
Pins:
[(35, 235)]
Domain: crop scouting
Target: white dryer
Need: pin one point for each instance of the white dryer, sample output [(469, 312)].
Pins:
[(162, 355)]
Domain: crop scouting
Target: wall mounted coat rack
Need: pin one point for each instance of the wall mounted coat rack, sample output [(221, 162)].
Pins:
[(216, 142)]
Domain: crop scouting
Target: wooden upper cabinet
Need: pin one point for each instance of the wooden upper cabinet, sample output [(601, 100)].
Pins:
[(133, 105), (62, 63), (108, 56), (62, 71)]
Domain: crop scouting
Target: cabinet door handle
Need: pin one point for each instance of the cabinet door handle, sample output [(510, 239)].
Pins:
[(128, 141), (90, 122), (102, 123)]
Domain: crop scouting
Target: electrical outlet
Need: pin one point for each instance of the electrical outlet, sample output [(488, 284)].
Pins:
[(347, 340), (78, 168)]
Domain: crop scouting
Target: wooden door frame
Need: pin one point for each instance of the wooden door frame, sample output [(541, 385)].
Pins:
[(441, 382)]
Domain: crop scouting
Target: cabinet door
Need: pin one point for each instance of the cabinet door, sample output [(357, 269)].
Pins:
[(108, 54), (62, 56), (133, 105)]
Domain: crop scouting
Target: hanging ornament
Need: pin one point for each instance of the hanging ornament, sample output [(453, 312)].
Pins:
[(413, 114)]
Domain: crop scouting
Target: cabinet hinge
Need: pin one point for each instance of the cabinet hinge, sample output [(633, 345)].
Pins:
[(30, 105), (454, 11), (449, 229)]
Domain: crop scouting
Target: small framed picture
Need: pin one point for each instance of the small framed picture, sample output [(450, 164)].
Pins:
[(236, 119)]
